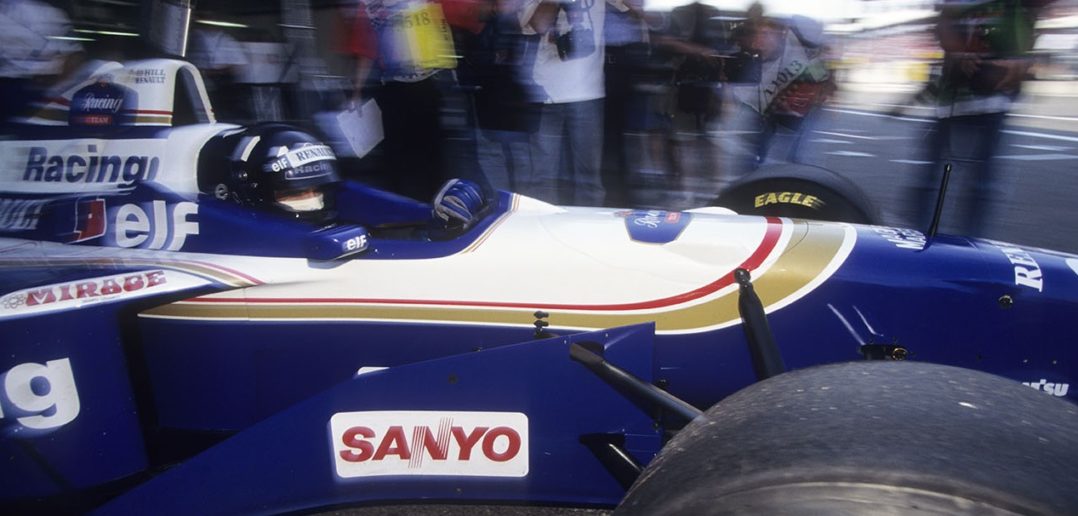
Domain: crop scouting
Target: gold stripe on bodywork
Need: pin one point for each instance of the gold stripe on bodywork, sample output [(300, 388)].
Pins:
[(812, 249), (153, 119)]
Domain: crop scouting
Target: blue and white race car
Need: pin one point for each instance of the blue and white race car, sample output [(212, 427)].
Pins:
[(204, 318)]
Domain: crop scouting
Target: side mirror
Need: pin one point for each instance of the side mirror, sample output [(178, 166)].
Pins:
[(336, 242)]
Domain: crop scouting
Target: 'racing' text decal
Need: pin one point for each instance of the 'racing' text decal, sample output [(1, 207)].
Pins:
[(40, 396)]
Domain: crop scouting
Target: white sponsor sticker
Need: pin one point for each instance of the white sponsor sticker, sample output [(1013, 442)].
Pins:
[(101, 289), (383, 443), (1027, 273), (903, 238), (302, 156), (79, 165), (1073, 264), (1055, 389)]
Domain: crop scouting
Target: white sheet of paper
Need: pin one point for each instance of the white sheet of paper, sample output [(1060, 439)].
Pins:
[(353, 132)]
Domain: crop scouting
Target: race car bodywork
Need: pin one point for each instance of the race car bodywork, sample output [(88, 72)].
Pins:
[(161, 340)]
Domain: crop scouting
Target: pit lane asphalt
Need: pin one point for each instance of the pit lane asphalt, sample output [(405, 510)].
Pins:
[(466, 510)]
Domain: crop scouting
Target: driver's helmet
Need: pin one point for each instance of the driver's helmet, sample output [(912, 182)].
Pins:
[(287, 171)]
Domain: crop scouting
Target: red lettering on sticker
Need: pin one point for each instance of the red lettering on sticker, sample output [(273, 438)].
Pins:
[(512, 448), (132, 283), (85, 289), (155, 278), (500, 444), (109, 287), (467, 441), (40, 297), (437, 450), (65, 293), (394, 443), (353, 439)]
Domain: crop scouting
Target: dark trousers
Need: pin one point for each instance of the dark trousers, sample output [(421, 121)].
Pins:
[(968, 143), (413, 144)]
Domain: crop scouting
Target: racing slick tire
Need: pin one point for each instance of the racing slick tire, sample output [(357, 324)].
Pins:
[(870, 438), (799, 191)]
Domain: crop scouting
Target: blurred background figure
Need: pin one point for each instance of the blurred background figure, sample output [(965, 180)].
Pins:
[(568, 75), (222, 61), (798, 106), (628, 108), (497, 67), (791, 83), (405, 56), (699, 43), (36, 48), (695, 39), (986, 57)]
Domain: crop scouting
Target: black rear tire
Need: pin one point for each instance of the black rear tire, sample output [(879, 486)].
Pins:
[(871, 437), (799, 191)]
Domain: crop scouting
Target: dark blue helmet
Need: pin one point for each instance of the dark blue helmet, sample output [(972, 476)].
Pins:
[(282, 169)]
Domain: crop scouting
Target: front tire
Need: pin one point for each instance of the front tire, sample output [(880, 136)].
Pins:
[(868, 437)]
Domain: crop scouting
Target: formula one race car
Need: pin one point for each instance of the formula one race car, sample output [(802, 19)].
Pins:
[(202, 318)]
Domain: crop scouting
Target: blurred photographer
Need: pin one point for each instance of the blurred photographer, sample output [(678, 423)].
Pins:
[(790, 83), (568, 90), (986, 46)]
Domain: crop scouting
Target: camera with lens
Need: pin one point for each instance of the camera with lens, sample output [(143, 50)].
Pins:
[(742, 67), (579, 40)]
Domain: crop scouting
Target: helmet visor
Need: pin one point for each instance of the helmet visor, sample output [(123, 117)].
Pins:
[(303, 200)]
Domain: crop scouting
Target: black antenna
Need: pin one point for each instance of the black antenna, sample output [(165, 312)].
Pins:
[(934, 227)]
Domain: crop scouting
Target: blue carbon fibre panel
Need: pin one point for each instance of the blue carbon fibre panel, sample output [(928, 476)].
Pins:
[(287, 459), (104, 441), (228, 375)]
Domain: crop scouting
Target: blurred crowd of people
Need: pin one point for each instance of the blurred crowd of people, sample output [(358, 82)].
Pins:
[(550, 91), (568, 101)]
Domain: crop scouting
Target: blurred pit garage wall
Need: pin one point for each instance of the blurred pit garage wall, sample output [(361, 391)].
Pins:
[(166, 29)]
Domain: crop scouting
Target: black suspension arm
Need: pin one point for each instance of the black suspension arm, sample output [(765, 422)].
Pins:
[(766, 359), (632, 387)]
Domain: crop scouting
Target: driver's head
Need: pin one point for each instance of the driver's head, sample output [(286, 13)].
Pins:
[(287, 171), (301, 200)]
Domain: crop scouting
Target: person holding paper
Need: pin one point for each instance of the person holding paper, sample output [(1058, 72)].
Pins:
[(404, 47)]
